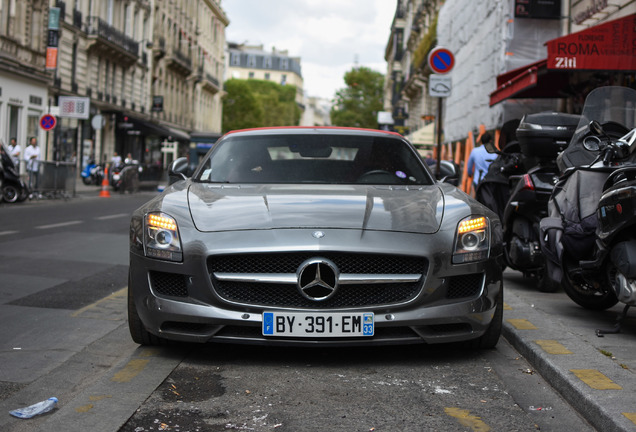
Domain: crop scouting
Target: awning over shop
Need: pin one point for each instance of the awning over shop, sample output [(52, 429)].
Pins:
[(423, 136), (531, 81), (177, 134), (607, 47)]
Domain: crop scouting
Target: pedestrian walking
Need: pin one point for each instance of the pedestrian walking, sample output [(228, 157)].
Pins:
[(32, 158), (479, 160), (15, 150)]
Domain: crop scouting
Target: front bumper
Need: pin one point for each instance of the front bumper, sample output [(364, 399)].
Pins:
[(454, 303)]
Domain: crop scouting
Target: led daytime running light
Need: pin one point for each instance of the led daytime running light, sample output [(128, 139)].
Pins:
[(471, 225), (162, 222)]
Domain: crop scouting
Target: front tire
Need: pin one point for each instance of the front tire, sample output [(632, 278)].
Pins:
[(583, 293), (11, 194), (137, 330)]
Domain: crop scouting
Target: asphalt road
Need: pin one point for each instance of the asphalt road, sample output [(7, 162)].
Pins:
[(62, 311)]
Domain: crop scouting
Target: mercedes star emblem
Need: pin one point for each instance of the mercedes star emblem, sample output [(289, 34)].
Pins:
[(318, 234), (318, 279)]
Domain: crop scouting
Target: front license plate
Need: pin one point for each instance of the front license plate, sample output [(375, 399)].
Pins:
[(298, 324)]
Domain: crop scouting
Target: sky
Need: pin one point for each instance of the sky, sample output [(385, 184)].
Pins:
[(329, 36)]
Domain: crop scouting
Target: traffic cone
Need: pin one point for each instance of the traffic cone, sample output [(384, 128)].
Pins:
[(105, 193)]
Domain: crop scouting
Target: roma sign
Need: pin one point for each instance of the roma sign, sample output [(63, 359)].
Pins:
[(608, 46)]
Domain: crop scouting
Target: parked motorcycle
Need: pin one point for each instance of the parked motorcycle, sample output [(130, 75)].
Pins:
[(590, 236), (92, 174), (125, 176), (531, 175), (14, 189)]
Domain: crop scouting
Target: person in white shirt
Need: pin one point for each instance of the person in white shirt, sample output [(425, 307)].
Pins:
[(32, 157), (14, 151)]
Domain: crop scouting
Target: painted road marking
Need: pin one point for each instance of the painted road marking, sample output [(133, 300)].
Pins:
[(114, 216), (58, 225), (507, 306), (553, 347), (110, 308), (522, 324), (465, 419), (130, 371), (8, 232), (631, 417), (595, 379)]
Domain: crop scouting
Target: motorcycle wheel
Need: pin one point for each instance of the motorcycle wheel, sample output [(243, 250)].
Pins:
[(86, 180), (11, 194), (582, 291)]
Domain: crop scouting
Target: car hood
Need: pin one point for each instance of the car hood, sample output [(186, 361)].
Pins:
[(226, 207)]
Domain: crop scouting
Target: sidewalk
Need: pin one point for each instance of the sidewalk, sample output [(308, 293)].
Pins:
[(595, 375)]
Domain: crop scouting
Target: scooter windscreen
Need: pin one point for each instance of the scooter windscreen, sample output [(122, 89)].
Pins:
[(614, 108)]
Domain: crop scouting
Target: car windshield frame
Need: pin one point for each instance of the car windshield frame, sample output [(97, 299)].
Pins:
[(299, 158)]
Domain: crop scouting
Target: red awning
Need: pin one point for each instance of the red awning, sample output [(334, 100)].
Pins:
[(531, 81), (610, 46)]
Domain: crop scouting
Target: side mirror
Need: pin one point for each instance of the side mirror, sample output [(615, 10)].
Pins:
[(448, 172), (596, 128), (490, 147), (178, 170)]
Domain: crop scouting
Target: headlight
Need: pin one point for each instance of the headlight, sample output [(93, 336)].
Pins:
[(161, 239), (472, 240)]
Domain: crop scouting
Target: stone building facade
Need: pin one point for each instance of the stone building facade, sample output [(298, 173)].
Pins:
[(150, 70), (24, 83)]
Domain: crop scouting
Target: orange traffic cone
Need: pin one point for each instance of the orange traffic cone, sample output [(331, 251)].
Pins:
[(105, 193)]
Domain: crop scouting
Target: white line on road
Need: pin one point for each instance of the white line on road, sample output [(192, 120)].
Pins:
[(115, 216), (8, 232), (58, 225)]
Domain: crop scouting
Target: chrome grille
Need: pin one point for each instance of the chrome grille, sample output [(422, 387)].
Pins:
[(359, 294)]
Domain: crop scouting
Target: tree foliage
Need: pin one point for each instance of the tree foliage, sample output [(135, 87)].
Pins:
[(358, 104), (256, 103)]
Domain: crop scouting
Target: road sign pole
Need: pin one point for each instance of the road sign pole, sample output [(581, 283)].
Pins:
[(439, 135)]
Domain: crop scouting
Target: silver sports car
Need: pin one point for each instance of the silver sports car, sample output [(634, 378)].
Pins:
[(314, 236)]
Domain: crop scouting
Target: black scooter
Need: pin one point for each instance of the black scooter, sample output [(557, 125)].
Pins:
[(590, 236), (541, 137), (14, 189)]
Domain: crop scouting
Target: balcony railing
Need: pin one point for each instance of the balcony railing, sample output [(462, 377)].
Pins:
[(97, 27), (77, 18), (12, 49)]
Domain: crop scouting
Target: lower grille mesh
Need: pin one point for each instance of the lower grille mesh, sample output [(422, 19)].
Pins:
[(287, 295), (464, 286)]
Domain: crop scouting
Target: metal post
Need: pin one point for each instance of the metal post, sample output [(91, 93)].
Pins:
[(439, 136)]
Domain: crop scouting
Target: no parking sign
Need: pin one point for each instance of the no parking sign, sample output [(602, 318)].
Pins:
[(441, 60), (48, 122)]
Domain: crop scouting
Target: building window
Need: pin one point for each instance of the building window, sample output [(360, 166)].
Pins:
[(267, 76), (251, 75), (267, 63), (236, 59), (251, 60), (284, 64)]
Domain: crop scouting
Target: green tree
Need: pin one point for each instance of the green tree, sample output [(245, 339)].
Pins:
[(358, 104), (259, 103), (241, 107)]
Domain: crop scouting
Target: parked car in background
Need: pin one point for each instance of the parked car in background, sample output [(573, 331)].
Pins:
[(314, 236)]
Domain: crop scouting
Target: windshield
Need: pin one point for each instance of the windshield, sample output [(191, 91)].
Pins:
[(304, 158), (614, 108), (608, 106)]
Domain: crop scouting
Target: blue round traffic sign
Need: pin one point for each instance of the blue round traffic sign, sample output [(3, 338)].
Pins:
[(48, 122), (441, 60)]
